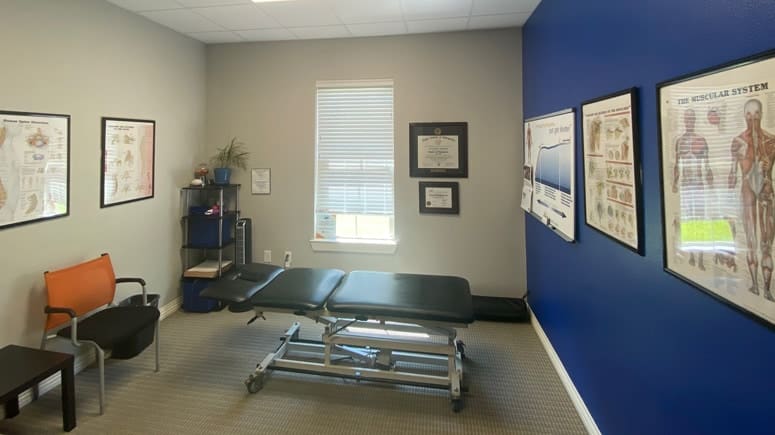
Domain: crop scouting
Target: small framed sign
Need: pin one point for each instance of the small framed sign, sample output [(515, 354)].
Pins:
[(261, 181), (438, 149), (439, 197)]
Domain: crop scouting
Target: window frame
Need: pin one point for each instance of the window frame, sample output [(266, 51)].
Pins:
[(369, 246)]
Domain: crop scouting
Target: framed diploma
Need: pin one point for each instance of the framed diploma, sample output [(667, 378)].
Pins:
[(438, 149), (717, 152), (128, 147), (34, 167), (439, 197), (612, 174), (261, 181)]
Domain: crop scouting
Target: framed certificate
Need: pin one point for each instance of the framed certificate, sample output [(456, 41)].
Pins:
[(438, 149), (261, 181), (128, 147), (439, 197)]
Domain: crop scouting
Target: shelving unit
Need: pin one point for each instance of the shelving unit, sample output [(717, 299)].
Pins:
[(209, 247)]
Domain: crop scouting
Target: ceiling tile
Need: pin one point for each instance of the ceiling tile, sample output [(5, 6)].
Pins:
[(239, 17), (300, 13), (368, 11), (433, 9), (146, 5), (378, 29), (321, 32), (266, 35), (215, 37), (493, 7), (182, 20), (430, 26), (497, 21), (203, 3)]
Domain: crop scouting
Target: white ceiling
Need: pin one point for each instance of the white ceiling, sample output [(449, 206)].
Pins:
[(221, 21)]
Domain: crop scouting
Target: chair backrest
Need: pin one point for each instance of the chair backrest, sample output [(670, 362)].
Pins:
[(82, 288)]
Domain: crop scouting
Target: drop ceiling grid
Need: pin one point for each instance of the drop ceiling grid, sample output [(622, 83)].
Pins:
[(224, 21)]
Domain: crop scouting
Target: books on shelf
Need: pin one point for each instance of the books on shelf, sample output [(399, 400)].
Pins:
[(207, 269)]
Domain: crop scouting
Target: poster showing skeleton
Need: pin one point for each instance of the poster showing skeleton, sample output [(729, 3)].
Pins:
[(717, 155), (612, 182), (549, 171), (34, 167)]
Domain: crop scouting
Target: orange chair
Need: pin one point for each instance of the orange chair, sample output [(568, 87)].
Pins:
[(80, 308)]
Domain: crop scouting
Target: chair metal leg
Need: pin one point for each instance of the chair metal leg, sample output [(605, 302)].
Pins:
[(157, 344), (101, 365)]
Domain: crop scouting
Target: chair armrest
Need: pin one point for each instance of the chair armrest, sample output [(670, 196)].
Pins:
[(137, 280), (73, 321), (63, 310)]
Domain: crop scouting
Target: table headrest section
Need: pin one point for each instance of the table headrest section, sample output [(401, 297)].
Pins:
[(403, 295), (242, 283), (299, 289)]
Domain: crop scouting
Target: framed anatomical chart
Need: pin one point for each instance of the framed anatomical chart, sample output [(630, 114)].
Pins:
[(127, 160), (34, 167), (612, 171), (549, 171), (717, 131)]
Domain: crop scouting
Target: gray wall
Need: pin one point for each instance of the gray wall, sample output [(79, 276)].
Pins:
[(91, 59), (264, 93)]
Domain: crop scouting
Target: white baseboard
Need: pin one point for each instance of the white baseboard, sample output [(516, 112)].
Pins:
[(84, 359), (575, 397)]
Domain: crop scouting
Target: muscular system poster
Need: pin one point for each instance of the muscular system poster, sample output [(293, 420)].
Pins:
[(718, 150), (549, 168), (34, 152)]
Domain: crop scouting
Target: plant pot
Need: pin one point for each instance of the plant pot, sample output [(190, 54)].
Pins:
[(222, 175)]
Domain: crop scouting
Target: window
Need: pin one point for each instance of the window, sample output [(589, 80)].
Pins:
[(354, 162)]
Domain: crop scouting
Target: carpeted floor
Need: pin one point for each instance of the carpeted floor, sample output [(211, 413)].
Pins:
[(206, 357)]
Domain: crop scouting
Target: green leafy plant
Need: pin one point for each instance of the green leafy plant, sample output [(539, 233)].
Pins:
[(233, 155)]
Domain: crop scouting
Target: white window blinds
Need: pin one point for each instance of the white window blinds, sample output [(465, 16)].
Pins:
[(354, 148)]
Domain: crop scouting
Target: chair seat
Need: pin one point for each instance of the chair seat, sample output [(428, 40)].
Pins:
[(113, 326)]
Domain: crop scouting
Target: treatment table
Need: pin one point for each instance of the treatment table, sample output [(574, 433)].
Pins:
[(378, 326)]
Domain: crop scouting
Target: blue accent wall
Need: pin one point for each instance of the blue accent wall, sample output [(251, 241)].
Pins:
[(648, 353)]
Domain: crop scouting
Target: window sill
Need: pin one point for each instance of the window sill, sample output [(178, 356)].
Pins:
[(357, 247)]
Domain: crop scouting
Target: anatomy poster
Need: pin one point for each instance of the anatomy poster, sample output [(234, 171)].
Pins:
[(549, 163), (717, 151), (34, 172), (127, 160), (611, 168)]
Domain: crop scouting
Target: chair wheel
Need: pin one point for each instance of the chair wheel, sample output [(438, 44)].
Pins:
[(456, 405), (254, 383)]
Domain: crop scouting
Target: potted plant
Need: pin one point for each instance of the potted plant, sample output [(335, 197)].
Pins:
[(233, 155)]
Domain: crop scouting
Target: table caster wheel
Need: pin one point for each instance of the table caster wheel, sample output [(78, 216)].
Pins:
[(254, 383), (456, 405)]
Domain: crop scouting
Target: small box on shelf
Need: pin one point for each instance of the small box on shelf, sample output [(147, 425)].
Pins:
[(208, 269)]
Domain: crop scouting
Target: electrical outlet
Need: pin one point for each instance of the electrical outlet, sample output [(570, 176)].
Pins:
[(267, 256), (288, 259)]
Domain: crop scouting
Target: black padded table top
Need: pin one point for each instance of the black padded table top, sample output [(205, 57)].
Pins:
[(403, 295), (299, 289), (241, 284)]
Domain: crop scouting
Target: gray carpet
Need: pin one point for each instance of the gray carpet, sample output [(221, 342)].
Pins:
[(206, 358)]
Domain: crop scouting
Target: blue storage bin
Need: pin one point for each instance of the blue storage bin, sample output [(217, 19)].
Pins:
[(203, 231), (192, 302)]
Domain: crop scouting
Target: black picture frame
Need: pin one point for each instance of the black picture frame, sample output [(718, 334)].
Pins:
[(704, 226), (439, 201), (612, 170), (35, 165), (438, 149), (126, 176)]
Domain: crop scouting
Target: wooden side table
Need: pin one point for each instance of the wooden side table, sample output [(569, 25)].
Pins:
[(23, 367)]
